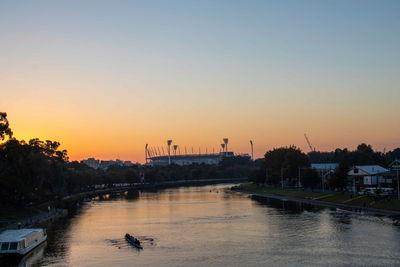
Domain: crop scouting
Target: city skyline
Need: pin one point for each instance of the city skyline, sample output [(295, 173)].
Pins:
[(106, 78)]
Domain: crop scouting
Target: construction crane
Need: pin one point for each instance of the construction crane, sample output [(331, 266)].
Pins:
[(309, 144)]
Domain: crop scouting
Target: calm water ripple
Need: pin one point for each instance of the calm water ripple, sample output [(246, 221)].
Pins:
[(207, 226)]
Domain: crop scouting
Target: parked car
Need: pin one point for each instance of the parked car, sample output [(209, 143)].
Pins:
[(383, 191), (368, 191), (373, 191)]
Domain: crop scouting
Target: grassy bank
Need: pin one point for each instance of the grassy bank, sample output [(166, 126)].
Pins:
[(339, 198)]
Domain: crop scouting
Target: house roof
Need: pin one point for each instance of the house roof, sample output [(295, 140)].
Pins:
[(371, 169), (324, 166), (16, 235)]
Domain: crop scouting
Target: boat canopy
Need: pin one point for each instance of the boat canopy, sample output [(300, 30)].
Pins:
[(17, 235)]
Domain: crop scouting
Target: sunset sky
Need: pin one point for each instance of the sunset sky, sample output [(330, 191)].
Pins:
[(106, 77)]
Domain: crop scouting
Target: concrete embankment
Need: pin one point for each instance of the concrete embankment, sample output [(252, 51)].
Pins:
[(324, 204)]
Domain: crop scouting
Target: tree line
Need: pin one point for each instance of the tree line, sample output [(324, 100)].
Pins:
[(291, 164), (38, 171)]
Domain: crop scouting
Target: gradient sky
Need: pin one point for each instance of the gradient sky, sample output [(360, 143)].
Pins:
[(106, 77)]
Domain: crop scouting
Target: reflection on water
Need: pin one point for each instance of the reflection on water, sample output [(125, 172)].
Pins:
[(28, 260), (121, 242), (200, 226)]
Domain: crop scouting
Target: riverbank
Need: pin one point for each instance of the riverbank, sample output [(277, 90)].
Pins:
[(326, 199), (176, 226), (39, 218)]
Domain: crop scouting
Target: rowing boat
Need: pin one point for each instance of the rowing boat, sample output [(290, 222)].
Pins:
[(133, 241)]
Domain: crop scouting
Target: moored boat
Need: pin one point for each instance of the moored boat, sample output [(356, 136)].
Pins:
[(21, 241), (133, 241)]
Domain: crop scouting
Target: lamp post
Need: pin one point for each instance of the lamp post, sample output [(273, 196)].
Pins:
[(145, 152), (354, 184), (223, 148), (396, 165), (169, 142), (251, 144), (398, 186), (298, 182), (175, 147)]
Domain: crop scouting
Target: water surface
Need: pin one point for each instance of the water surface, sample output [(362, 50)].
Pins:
[(208, 226)]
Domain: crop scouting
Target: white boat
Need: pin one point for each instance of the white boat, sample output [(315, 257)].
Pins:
[(21, 241)]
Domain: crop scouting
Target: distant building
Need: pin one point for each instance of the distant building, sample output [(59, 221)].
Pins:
[(370, 176), (104, 164), (192, 159), (323, 168), (92, 162)]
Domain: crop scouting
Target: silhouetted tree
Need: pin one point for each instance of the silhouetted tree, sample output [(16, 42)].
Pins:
[(364, 148), (392, 155), (5, 129), (321, 157), (338, 180), (284, 160)]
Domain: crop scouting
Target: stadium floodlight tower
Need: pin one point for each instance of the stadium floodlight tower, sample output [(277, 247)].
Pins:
[(169, 142), (226, 145), (223, 148), (175, 147)]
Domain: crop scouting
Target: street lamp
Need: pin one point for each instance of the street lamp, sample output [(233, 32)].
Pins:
[(355, 170), (298, 182), (396, 165), (145, 152), (398, 187), (251, 144), (175, 147), (169, 142)]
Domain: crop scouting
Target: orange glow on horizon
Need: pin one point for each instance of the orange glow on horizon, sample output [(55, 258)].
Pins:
[(105, 94)]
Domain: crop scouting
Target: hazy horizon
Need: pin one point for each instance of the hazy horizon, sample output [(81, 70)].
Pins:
[(105, 78)]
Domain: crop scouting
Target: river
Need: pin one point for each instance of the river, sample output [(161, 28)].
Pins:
[(211, 226)]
